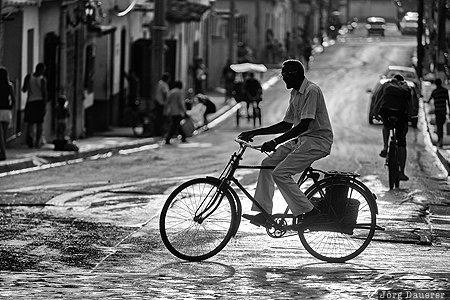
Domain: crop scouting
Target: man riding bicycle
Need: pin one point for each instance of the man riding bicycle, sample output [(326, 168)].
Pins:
[(392, 99), (306, 137)]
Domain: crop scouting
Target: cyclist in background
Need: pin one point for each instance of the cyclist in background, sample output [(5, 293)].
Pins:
[(306, 136), (392, 99)]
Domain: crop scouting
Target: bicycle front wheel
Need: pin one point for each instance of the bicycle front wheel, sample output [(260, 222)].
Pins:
[(347, 222), (393, 166), (198, 219)]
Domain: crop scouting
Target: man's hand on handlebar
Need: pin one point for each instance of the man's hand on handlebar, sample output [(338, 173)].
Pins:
[(246, 136), (269, 146)]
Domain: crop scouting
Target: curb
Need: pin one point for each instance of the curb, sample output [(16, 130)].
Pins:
[(27, 164)]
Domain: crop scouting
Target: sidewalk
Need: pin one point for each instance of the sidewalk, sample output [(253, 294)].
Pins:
[(428, 109), (116, 140)]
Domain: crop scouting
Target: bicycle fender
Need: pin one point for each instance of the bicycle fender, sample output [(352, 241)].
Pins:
[(236, 200)]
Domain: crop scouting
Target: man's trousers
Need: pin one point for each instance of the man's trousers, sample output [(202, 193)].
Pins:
[(290, 159)]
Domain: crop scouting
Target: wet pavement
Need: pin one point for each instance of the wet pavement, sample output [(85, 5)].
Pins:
[(101, 240)]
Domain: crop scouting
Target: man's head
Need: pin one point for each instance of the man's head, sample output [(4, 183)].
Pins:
[(178, 84), (165, 77), (40, 68), (293, 73), (438, 82), (399, 77), (62, 100)]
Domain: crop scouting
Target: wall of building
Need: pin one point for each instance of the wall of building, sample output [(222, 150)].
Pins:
[(30, 22)]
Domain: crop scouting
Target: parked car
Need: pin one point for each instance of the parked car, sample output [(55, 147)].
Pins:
[(409, 73), (375, 25), (408, 24), (413, 107)]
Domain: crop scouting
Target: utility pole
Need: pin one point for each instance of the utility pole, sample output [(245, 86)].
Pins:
[(231, 32), (158, 31), (347, 12), (420, 48), (441, 35), (1, 33)]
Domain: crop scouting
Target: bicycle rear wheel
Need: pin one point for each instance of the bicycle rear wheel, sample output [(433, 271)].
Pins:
[(393, 166), (198, 219), (347, 222)]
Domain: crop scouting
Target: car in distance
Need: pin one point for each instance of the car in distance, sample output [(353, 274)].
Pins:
[(408, 24), (413, 106), (409, 73), (375, 25)]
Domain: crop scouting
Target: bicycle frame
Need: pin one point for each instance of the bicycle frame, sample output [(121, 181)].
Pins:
[(227, 177)]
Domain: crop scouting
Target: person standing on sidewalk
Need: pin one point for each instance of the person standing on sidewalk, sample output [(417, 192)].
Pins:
[(306, 136), (36, 86), (441, 99), (6, 104), (175, 109), (162, 89)]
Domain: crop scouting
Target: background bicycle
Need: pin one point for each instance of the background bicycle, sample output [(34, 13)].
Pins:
[(392, 159), (250, 108)]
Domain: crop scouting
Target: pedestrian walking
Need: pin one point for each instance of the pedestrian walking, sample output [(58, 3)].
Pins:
[(307, 52), (7, 101), (306, 136), (162, 89), (175, 110), (134, 88), (199, 76), (228, 77), (441, 100), (36, 86)]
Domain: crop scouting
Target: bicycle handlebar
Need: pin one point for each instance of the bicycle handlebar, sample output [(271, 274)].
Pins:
[(247, 144)]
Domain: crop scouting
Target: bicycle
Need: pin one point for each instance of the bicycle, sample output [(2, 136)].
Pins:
[(203, 214), (392, 159), (251, 110)]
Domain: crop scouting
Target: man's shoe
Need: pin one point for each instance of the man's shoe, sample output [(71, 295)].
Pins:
[(403, 177), (305, 219), (383, 153), (258, 220)]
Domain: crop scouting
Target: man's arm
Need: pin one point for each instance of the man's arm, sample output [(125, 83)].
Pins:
[(288, 135), (13, 97), (279, 127), (377, 97), (293, 132), (44, 89), (26, 83)]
